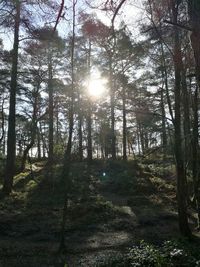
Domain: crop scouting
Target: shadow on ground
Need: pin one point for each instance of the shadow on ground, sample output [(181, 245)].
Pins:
[(106, 215)]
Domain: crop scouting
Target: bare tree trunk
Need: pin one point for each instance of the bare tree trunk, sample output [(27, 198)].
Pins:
[(124, 124), (89, 133), (186, 114), (165, 84), (112, 110), (11, 141), (138, 139), (181, 177), (194, 14), (57, 139), (33, 131), (164, 133), (50, 91), (39, 144), (141, 137), (89, 112), (165, 80), (43, 140), (80, 133), (67, 157), (2, 123), (195, 146)]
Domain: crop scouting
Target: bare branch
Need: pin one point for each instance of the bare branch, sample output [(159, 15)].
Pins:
[(59, 14), (185, 27), (116, 11)]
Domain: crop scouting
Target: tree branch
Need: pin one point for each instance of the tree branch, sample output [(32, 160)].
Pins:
[(116, 11), (156, 29), (185, 27), (59, 14)]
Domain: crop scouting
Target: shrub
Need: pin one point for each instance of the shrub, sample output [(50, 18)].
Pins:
[(146, 255), (170, 254)]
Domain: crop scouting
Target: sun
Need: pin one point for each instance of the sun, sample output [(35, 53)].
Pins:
[(96, 87)]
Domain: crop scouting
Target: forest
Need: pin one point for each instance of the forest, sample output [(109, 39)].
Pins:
[(99, 133)]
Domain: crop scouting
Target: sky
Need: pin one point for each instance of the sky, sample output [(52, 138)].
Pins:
[(131, 13)]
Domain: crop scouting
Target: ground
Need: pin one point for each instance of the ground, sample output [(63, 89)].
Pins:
[(117, 205)]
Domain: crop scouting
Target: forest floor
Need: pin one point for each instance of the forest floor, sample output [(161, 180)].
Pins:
[(117, 206)]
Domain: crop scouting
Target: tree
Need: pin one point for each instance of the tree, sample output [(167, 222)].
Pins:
[(32, 96), (11, 141), (52, 46), (19, 11), (156, 10), (5, 58), (194, 15), (102, 35), (67, 157)]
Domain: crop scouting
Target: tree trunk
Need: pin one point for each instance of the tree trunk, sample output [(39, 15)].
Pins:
[(186, 118), (181, 178), (112, 110), (67, 157), (89, 132), (138, 138), (124, 123), (57, 139), (80, 125), (165, 80), (50, 90), (194, 14), (141, 137), (43, 140), (164, 133), (2, 124), (39, 144), (33, 131), (89, 112), (11, 141), (195, 145)]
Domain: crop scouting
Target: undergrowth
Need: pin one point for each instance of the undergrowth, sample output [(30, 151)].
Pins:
[(169, 254)]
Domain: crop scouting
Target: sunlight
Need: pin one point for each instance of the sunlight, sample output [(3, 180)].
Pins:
[(96, 87)]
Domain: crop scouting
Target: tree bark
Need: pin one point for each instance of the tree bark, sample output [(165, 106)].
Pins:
[(51, 111), (80, 133), (33, 131), (11, 141), (89, 112), (194, 14), (195, 147), (124, 123), (165, 80), (57, 137), (181, 177), (164, 133), (67, 157), (39, 144), (2, 123), (186, 120), (89, 133), (112, 110)]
